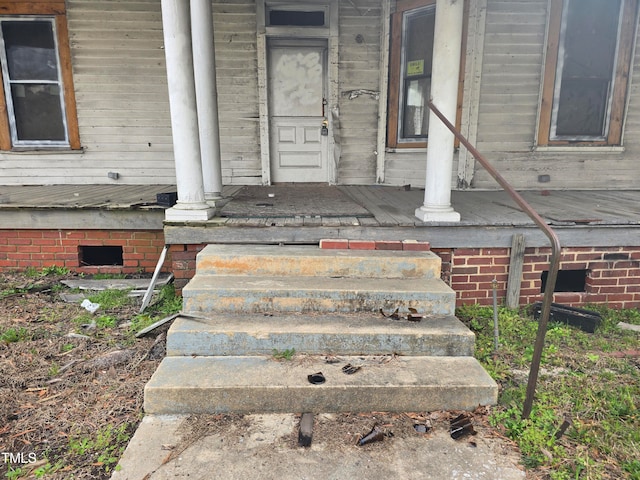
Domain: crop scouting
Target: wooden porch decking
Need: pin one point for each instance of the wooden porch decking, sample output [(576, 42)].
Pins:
[(489, 218)]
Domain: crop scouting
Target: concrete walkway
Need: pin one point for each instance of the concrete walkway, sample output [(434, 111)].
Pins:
[(265, 447)]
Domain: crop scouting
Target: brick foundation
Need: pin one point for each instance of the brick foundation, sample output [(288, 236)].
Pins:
[(612, 274), (21, 249)]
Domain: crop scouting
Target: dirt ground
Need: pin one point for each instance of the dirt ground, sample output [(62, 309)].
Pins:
[(71, 402)]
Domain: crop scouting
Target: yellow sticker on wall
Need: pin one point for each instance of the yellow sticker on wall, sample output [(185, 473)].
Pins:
[(416, 67)]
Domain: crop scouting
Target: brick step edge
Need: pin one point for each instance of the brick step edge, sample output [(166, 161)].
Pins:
[(346, 244)]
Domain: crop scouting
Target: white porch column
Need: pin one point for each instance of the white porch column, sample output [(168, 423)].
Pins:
[(444, 92), (184, 122), (206, 96)]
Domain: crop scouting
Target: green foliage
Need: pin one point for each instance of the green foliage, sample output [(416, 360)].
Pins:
[(54, 270), (108, 276), (286, 354), (140, 322), (106, 321), (14, 473), (579, 378), (12, 335), (110, 299), (54, 369), (42, 472), (105, 448)]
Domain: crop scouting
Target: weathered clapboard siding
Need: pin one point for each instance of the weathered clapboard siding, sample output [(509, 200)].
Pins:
[(511, 72), (237, 82), (510, 97), (121, 94), (358, 69)]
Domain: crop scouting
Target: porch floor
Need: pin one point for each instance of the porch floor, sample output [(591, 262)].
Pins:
[(489, 218)]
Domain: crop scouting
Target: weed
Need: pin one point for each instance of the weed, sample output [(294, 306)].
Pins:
[(67, 347), (284, 354), (580, 378), (105, 448), (47, 469), (54, 369), (106, 321), (141, 321), (108, 276), (109, 299), (14, 473), (13, 335), (54, 270)]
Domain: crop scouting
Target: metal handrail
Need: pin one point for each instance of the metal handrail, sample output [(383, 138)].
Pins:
[(554, 263)]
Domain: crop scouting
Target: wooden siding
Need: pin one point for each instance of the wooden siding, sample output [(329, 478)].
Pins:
[(121, 95), (237, 81), (515, 41), (359, 69)]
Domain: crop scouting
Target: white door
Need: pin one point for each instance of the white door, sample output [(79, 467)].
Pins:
[(297, 113)]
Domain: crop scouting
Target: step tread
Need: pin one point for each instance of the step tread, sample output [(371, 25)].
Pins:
[(228, 334), (307, 260), (303, 283), (242, 294), (261, 383)]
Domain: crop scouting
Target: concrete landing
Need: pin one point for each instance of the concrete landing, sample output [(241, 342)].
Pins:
[(245, 294), (365, 334), (262, 447), (251, 384)]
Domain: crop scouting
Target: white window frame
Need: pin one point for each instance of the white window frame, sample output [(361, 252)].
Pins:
[(15, 141)]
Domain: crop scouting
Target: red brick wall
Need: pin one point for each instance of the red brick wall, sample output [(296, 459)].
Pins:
[(20, 249), (612, 275), (183, 263)]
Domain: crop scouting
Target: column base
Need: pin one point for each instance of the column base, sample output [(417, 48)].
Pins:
[(176, 214), (437, 214)]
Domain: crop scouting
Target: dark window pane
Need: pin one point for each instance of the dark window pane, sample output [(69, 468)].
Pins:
[(38, 112), (583, 107), (296, 18), (31, 50), (418, 46), (590, 41)]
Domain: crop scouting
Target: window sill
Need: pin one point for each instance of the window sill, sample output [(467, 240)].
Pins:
[(580, 149), (42, 151)]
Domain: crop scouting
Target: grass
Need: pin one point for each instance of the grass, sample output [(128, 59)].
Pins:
[(583, 377), (286, 354)]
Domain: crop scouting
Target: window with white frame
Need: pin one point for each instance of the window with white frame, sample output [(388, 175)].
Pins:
[(31, 73), (37, 85)]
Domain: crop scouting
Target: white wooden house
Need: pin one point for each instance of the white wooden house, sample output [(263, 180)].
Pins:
[(206, 94)]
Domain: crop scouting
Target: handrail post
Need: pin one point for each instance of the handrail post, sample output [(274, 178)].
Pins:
[(554, 263)]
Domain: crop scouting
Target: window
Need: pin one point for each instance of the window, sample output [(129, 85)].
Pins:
[(411, 55), (37, 87), (587, 66)]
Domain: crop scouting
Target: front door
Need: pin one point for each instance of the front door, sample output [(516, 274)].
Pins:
[(297, 116)]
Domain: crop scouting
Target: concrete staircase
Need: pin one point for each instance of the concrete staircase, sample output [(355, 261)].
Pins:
[(253, 301)]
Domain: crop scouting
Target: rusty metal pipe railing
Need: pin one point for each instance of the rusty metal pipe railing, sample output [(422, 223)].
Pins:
[(554, 262)]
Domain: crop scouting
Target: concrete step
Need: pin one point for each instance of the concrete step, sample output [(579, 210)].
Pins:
[(270, 260), (244, 294), (249, 384), (364, 334)]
